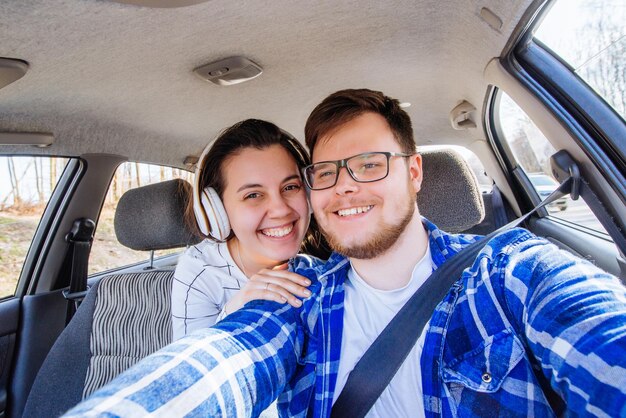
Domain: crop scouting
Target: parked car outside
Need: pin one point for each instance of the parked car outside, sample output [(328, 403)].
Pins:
[(545, 185)]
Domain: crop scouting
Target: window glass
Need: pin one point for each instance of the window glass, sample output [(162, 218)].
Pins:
[(106, 252), (26, 184), (590, 35), (532, 151)]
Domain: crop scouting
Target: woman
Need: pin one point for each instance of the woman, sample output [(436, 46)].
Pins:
[(251, 205)]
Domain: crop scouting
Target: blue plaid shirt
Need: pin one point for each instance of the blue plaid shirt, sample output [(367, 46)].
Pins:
[(528, 330)]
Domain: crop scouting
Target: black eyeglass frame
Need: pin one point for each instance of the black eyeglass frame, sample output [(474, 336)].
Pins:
[(344, 163)]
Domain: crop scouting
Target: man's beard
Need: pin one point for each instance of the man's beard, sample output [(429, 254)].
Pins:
[(386, 236)]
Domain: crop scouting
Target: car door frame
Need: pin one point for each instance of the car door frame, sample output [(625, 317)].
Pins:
[(573, 117)]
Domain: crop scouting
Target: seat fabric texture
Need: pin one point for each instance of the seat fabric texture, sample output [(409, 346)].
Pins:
[(124, 318), (450, 196), (128, 327)]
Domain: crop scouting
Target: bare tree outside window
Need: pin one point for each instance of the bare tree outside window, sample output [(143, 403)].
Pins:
[(26, 184), (590, 35)]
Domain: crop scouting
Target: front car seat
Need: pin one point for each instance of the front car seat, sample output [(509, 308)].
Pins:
[(124, 317), (450, 196)]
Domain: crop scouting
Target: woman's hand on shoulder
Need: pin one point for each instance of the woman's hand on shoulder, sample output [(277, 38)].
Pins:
[(278, 285)]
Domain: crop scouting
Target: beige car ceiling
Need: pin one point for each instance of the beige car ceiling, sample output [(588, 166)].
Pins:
[(106, 77)]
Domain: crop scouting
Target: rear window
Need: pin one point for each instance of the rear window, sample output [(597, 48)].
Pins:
[(542, 180)]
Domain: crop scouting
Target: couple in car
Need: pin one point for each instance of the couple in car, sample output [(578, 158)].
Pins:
[(527, 329)]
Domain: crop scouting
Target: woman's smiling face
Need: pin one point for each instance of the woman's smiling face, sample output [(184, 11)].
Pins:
[(266, 204)]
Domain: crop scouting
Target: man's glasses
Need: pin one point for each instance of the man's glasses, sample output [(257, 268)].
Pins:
[(363, 168)]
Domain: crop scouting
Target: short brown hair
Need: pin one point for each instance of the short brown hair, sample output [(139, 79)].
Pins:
[(341, 107)]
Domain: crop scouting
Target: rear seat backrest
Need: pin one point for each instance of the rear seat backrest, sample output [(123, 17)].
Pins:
[(128, 327)]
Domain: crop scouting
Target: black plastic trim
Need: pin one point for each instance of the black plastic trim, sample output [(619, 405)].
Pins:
[(596, 128), (589, 139)]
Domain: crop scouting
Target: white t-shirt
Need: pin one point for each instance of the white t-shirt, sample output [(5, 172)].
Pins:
[(206, 278), (367, 311)]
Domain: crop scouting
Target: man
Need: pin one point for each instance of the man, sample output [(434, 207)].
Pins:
[(527, 330)]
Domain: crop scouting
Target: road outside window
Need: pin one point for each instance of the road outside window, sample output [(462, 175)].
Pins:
[(106, 252), (26, 184), (532, 151)]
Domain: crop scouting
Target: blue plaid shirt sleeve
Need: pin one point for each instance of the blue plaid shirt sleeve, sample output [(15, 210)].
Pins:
[(523, 303), (236, 368), (573, 317), (529, 329)]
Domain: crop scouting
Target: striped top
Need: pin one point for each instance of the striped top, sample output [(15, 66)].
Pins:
[(528, 330), (206, 278)]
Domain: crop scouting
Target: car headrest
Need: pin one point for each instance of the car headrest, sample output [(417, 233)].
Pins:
[(152, 217), (450, 196)]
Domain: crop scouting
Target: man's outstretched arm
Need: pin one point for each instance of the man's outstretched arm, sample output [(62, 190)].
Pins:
[(235, 369), (574, 318)]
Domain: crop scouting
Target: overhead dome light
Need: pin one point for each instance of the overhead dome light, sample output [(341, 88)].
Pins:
[(229, 71), (404, 105)]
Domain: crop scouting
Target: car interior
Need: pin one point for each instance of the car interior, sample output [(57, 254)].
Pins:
[(105, 86), (99, 348)]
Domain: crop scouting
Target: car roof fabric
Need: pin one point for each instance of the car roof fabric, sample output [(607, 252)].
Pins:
[(113, 78)]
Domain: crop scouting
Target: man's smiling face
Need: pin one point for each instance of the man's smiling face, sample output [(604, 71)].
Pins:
[(363, 220)]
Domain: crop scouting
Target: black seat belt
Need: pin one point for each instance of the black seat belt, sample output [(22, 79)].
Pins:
[(497, 205), (80, 238), (390, 349)]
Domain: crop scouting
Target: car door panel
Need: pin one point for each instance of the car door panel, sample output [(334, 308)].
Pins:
[(9, 317), (590, 246), (42, 320)]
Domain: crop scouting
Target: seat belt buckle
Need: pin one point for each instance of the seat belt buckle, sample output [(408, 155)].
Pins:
[(76, 297)]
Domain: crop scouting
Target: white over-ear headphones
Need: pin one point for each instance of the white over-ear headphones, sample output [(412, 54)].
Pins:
[(210, 213)]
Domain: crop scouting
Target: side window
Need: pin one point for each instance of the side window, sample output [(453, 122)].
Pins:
[(532, 151), (590, 35), (106, 252), (26, 184)]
